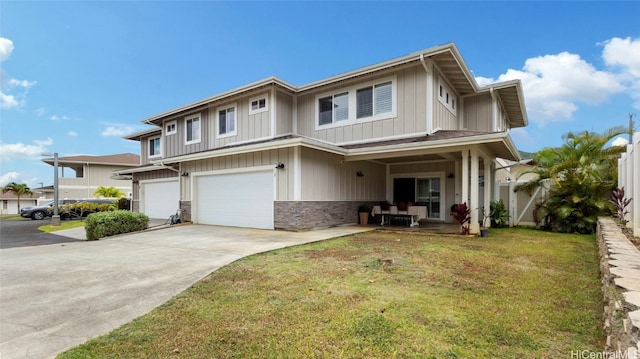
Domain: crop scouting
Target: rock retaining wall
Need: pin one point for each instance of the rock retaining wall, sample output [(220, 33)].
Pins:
[(620, 274)]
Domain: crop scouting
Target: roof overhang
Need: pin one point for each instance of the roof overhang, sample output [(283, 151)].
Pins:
[(204, 103), (512, 98)]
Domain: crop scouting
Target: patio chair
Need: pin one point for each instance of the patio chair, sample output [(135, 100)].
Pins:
[(403, 210), (385, 208)]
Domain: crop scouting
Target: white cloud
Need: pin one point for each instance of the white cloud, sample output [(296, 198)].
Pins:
[(619, 141), (6, 48), (40, 112), (118, 130), (58, 118), (8, 177), (14, 92), (555, 85), (624, 55), (72, 133), (14, 151)]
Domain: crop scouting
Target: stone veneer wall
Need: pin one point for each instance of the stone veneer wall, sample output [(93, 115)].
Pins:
[(185, 215), (306, 215), (620, 275)]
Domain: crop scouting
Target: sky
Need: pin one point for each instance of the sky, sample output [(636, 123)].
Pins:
[(77, 76)]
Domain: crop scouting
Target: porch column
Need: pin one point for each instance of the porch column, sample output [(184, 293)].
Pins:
[(464, 193), (474, 228), (488, 182)]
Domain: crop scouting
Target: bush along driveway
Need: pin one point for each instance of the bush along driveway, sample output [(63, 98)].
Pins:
[(519, 293)]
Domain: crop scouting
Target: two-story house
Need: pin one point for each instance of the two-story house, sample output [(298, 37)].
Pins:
[(417, 128)]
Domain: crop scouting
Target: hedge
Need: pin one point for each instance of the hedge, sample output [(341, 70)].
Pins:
[(104, 224)]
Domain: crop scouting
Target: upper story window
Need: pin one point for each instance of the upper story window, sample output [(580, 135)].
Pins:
[(374, 100), (192, 129), (258, 104), (170, 128), (154, 147), (227, 121), (334, 108), (364, 102), (447, 98)]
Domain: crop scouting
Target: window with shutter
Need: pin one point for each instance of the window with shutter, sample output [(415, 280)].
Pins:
[(383, 98)]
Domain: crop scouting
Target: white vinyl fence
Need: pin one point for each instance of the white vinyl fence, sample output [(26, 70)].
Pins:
[(629, 179), (520, 204)]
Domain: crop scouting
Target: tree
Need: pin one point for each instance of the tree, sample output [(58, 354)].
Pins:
[(108, 192), (581, 175), (19, 189)]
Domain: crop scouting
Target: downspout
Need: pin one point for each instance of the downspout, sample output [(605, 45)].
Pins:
[(429, 99)]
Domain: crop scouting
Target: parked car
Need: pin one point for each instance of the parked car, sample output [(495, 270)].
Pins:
[(43, 211)]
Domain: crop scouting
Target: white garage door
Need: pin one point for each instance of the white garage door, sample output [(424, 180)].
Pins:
[(237, 199), (160, 199)]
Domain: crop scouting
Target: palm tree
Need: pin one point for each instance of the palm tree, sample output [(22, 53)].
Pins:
[(581, 174), (19, 189), (108, 192)]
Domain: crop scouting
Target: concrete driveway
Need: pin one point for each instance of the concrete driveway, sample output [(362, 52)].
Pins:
[(54, 297)]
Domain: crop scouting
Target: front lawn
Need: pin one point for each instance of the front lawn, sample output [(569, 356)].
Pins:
[(520, 293), (68, 224)]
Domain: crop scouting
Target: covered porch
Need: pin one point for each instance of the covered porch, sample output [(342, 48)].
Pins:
[(438, 171)]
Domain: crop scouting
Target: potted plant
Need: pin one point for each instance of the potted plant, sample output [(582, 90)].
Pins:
[(363, 212), (484, 231)]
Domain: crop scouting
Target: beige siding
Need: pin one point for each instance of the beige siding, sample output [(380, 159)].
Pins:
[(284, 177), (410, 119), (478, 113), (248, 127), (284, 113), (326, 178), (443, 118)]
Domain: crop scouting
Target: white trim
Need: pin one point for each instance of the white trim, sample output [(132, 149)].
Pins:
[(154, 156), (235, 119), (448, 99), (175, 127), (297, 174), (423, 175), (265, 97), (261, 168), (272, 118), (186, 132), (351, 93), (380, 139)]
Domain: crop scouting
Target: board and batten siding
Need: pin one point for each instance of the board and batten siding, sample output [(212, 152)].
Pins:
[(410, 111), (284, 113), (478, 113), (243, 161), (248, 127), (325, 177)]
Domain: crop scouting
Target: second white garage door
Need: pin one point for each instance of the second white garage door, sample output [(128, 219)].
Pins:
[(160, 199), (236, 199)]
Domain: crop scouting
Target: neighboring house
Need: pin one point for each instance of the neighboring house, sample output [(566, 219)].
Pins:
[(272, 155), (80, 176), (10, 202)]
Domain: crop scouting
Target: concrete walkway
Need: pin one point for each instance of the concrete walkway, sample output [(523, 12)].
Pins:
[(54, 297)]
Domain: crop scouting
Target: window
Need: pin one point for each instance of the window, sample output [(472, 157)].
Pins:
[(334, 108), (374, 100), (170, 128), (365, 102), (192, 132), (227, 121), (447, 98), (154, 147), (257, 105), (428, 192)]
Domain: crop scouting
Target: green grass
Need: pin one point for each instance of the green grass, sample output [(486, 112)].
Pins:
[(11, 217), (520, 293), (63, 225)]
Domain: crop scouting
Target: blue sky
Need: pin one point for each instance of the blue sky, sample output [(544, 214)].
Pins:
[(76, 76)]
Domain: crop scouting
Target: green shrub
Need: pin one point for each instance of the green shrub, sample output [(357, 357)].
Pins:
[(83, 209), (104, 224), (499, 214)]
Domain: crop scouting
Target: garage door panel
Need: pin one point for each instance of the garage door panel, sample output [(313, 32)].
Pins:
[(240, 199), (160, 199)]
